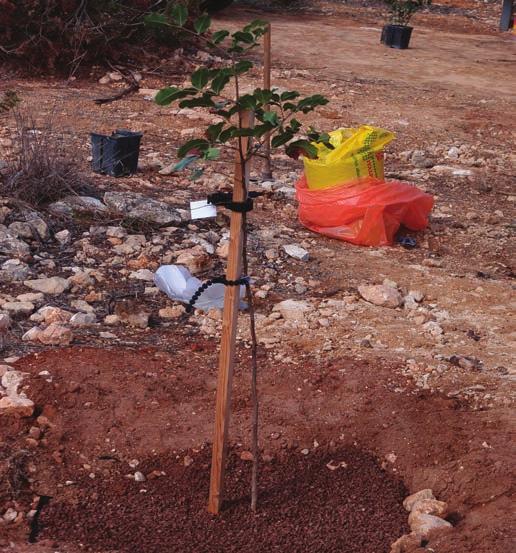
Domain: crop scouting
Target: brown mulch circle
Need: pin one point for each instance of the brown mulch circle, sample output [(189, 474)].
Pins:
[(303, 506)]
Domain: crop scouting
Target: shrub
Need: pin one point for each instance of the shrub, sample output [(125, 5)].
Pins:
[(59, 35), (402, 10), (42, 167)]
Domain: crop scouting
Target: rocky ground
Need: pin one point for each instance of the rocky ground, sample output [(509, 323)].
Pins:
[(405, 353)]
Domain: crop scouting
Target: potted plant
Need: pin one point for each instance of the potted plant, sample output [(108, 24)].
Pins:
[(397, 33)]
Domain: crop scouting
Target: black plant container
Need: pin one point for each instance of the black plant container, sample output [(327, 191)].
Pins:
[(116, 155), (396, 36)]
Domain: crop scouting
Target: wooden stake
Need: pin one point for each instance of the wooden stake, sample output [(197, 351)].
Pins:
[(229, 330), (267, 171)]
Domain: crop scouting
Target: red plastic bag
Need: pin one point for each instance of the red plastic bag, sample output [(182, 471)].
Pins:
[(367, 213)]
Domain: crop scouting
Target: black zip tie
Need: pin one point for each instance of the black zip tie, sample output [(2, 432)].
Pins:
[(210, 282), (225, 199)]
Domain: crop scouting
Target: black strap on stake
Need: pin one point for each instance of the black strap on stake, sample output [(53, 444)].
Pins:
[(225, 199), (208, 283)]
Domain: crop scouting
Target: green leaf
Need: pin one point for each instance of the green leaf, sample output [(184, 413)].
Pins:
[(200, 78), (179, 14), (242, 66), (271, 117), (155, 20), (295, 125), (226, 134), (212, 154), (166, 95), (195, 145), (202, 24), (241, 36), (263, 96), (301, 147), (311, 102), (213, 131), (218, 36), (289, 106), (236, 49), (169, 94), (220, 81), (256, 24), (260, 130), (289, 95), (247, 101), (203, 101), (281, 139), (185, 162)]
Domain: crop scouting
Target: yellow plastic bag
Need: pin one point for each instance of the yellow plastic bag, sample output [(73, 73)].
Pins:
[(358, 153)]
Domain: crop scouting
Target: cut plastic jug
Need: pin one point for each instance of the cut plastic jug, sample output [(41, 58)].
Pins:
[(179, 285), (367, 212)]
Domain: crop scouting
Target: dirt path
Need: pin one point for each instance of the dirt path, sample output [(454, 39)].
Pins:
[(337, 48)]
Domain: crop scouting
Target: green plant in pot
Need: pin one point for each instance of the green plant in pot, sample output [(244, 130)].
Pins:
[(397, 33)]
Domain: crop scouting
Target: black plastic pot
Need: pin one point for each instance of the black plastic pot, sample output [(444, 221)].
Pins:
[(396, 36), (214, 6), (116, 155)]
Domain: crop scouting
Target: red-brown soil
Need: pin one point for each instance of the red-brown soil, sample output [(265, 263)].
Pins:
[(108, 407)]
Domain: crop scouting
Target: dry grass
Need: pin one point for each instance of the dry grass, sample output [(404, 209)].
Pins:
[(43, 168)]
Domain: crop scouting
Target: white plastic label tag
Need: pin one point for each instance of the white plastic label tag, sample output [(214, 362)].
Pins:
[(201, 209)]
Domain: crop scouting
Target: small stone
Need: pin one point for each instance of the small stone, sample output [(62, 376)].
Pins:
[(63, 237), (246, 456), (115, 76), (421, 524), (5, 322), (407, 542), (411, 500), (139, 477), (142, 274), (305, 451), (50, 314), (297, 252), (35, 432), (32, 335), (433, 328), (12, 246), (55, 335), (453, 152), (381, 295), (18, 307), (187, 460), (132, 314), (14, 270), (33, 297), (171, 312), (420, 160), (195, 259), (83, 306), (16, 405), (10, 515), (429, 507), (111, 319), (52, 285), (431, 262), (391, 457), (83, 319), (104, 80), (293, 310)]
